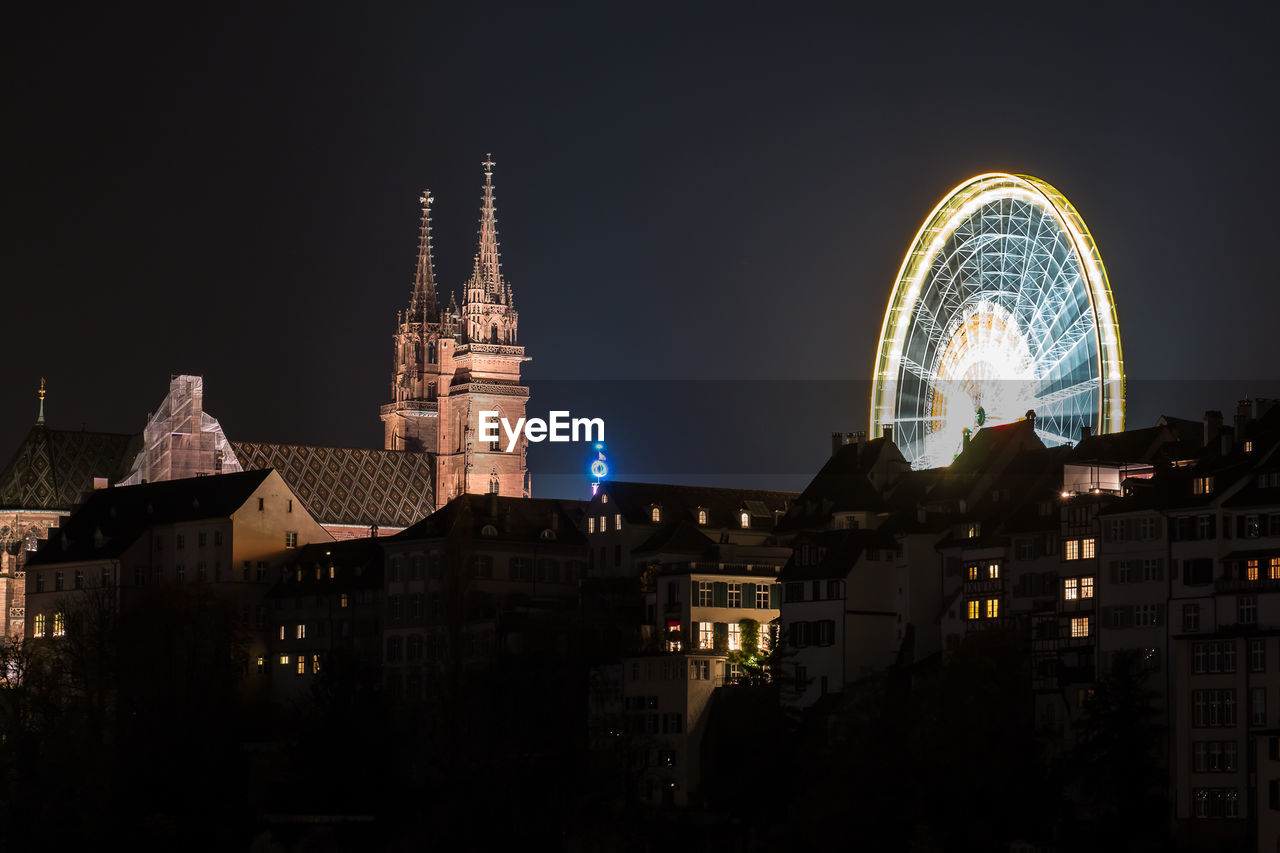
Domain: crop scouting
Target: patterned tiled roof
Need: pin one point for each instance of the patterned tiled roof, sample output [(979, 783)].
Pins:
[(343, 485), (52, 467)]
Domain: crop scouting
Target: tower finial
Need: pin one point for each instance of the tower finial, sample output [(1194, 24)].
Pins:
[(422, 303), (40, 417), (486, 274)]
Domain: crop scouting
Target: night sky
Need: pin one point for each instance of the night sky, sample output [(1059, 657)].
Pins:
[(684, 193)]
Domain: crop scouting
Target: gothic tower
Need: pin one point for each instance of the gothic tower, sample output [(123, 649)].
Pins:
[(450, 365)]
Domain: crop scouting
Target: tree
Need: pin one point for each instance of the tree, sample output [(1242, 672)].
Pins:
[(1116, 771)]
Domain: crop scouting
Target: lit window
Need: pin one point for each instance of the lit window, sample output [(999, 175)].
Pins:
[(655, 515), (702, 516), (1073, 549), (1070, 589), (993, 570), (735, 636), (975, 609), (1087, 549), (302, 665), (744, 519), (1086, 587), (315, 664), (284, 660), (705, 640), (291, 539), (973, 572), (617, 521), (59, 625), (302, 631), (39, 632), (262, 664), (282, 632), (344, 601), (1202, 486), (974, 531), (591, 524), (1080, 626), (993, 608), (1275, 568), (1251, 570)]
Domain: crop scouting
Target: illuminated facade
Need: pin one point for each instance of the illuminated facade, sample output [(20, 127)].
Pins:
[(450, 364), (1001, 307)]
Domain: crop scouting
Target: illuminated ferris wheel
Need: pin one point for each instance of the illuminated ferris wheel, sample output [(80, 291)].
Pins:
[(1001, 307)]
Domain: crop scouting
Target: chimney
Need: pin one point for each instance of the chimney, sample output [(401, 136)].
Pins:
[(1244, 415), (1212, 425), (887, 431), (1086, 432), (837, 441), (1227, 437)]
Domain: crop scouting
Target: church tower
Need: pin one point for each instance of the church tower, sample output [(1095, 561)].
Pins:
[(452, 364)]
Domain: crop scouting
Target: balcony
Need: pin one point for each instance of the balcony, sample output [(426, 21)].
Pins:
[(414, 408), (1237, 585)]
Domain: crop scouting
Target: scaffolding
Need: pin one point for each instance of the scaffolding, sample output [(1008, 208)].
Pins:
[(182, 439)]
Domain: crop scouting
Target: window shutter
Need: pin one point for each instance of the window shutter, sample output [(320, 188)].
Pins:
[(720, 634), (1159, 529), (720, 594), (1112, 573), (1159, 614), (775, 596), (749, 595), (1213, 527), (693, 593), (1159, 569), (1186, 570)]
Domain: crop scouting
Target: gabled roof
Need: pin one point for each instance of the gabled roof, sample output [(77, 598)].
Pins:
[(991, 444), (357, 565), (345, 485), (841, 485), (840, 550), (634, 501), (53, 467), (520, 520), (680, 537), (111, 520)]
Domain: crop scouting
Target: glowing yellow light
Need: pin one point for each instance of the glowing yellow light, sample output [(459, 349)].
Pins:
[(954, 209)]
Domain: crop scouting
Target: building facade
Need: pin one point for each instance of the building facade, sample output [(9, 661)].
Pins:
[(450, 364)]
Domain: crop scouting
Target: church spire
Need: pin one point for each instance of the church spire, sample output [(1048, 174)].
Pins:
[(422, 304), (41, 393), (487, 272)]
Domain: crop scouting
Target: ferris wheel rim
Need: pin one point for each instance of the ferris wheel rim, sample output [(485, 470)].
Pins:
[(937, 230)]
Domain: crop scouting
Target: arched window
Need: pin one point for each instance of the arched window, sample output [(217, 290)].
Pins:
[(745, 518), (493, 333), (431, 352), (702, 516), (656, 515)]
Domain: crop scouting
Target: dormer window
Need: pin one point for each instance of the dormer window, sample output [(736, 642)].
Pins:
[(744, 518), (1202, 486), (655, 515), (702, 516), (974, 530), (489, 530), (604, 498)]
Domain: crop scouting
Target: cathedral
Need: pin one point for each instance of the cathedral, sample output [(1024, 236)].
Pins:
[(452, 363), (449, 365)]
